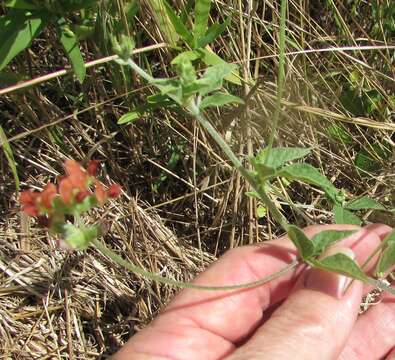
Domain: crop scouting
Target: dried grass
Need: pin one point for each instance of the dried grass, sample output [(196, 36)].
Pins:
[(56, 304)]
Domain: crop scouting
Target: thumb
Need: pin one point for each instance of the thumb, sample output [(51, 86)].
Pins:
[(316, 318)]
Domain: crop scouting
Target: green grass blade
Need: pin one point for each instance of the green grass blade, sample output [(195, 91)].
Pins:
[(281, 75), (179, 26), (202, 11), (17, 30), (212, 33), (10, 157), (70, 44), (164, 23)]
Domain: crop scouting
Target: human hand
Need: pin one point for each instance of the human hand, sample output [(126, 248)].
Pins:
[(305, 314)]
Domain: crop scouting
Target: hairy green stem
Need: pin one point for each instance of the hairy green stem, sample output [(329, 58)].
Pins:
[(381, 285), (193, 109), (379, 248), (185, 285)]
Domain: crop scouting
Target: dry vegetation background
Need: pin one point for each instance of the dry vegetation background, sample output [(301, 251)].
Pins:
[(183, 205)]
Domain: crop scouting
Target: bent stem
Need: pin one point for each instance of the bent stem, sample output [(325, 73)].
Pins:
[(194, 110), (185, 285)]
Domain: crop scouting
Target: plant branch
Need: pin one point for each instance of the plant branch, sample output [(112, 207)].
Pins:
[(238, 165)]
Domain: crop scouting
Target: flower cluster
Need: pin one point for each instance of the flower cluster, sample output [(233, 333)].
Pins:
[(73, 188), (77, 191)]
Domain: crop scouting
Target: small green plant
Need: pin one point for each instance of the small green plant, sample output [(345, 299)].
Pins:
[(196, 41), (194, 91), (26, 19)]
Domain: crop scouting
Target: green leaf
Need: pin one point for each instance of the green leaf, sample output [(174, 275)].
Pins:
[(304, 245), (263, 172), (187, 71), (212, 33), (87, 204), (179, 26), (158, 99), (280, 156), (343, 216), (60, 207), (326, 238), (342, 264), (70, 45), (79, 238), (360, 102), (374, 159), (210, 58), (364, 203), (339, 133), (309, 174), (213, 77), (186, 55), (10, 157), (220, 99), (387, 259), (83, 32), (202, 11), (261, 211), (252, 194), (17, 31), (153, 102), (21, 4), (171, 88), (353, 102), (131, 116)]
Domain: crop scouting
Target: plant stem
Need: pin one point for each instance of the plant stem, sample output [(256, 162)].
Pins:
[(382, 245), (238, 165), (185, 285), (194, 110)]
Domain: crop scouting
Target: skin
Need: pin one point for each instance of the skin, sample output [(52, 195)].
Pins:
[(306, 313)]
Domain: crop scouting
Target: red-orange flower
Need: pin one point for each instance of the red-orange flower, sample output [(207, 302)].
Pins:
[(75, 183), (72, 188), (100, 193), (76, 174), (114, 191), (92, 167), (28, 201), (66, 190), (47, 195), (33, 202)]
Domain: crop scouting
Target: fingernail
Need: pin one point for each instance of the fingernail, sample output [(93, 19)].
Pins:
[(327, 282)]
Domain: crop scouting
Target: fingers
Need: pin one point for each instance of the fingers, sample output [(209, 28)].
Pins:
[(204, 325), (373, 335), (201, 324), (391, 355), (319, 307)]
